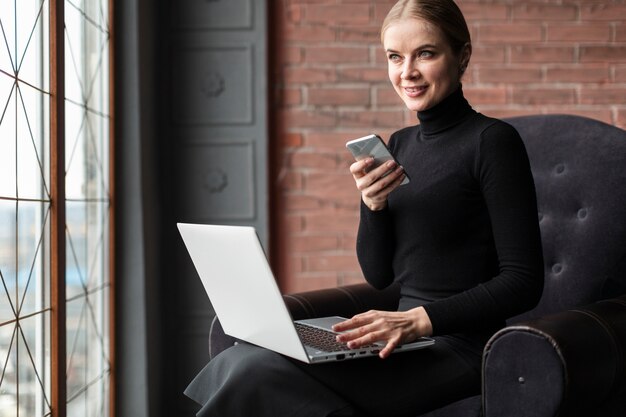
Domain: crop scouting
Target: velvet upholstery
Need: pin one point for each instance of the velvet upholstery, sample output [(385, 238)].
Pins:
[(570, 363), (566, 357)]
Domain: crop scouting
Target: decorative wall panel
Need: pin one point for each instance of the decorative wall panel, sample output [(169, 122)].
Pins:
[(219, 181), (213, 85), (213, 14), (218, 136)]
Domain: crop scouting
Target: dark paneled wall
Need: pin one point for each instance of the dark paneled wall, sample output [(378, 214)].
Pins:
[(212, 97)]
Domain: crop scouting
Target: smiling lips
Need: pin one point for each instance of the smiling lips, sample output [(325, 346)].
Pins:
[(414, 91)]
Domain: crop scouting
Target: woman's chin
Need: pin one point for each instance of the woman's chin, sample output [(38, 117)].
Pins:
[(415, 106)]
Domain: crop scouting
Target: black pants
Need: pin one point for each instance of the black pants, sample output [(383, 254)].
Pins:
[(248, 381)]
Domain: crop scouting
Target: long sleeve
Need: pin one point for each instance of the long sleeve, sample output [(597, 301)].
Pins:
[(375, 246), (507, 186)]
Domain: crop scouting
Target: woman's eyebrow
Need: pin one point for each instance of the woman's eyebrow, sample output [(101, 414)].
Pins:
[(424, 46)]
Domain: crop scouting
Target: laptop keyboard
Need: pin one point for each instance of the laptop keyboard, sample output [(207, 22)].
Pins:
[(321, 339)]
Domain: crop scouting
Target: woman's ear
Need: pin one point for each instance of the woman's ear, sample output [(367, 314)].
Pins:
[(466, 53)]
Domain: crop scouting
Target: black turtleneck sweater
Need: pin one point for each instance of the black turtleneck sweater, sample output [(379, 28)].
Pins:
[(462, 238)]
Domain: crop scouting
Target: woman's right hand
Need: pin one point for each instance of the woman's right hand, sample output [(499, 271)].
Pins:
[(374, 185)]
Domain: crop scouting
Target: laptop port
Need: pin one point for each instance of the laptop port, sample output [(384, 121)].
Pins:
[(340, 357)]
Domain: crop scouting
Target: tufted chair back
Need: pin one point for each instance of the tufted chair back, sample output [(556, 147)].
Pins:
[(579, 167)]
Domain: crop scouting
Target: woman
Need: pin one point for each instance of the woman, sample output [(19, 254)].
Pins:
[(462, 239)]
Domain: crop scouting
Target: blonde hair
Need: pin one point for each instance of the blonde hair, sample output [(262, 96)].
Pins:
[(444, 14)]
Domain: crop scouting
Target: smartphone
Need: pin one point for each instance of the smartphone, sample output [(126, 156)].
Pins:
[(372, 145)]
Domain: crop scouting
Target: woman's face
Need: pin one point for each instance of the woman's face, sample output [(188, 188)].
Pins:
[(422, 67)]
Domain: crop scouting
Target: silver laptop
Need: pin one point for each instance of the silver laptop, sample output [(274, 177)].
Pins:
[(243, 291)]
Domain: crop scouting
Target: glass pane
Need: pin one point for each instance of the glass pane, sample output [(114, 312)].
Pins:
[(29, 232), (87, 341), (88, 362), (87, 154), (77, 344), (92, 402), (33, 281), (25, 388), (97, 245), (77, 406), (75, 143), (98, 396), (96, 72), (32, 172), (87, 134), (8, 93), (24, 227), (87, 292), (102, 307), (97, 158), (8, 256), (6, 310), (34, 359), (77, 252), (32, 17), (7, 37), (87, 206), (8, 361), (74, 53), (87, 246), (26, 380)]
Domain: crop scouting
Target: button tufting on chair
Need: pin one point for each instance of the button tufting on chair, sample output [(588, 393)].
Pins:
[(557, 269), (582, 213), (560, 169)]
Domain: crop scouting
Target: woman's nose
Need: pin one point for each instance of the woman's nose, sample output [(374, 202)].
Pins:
[(409, 70)]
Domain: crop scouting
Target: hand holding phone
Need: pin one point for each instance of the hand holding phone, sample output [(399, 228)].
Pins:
[(372, 146)]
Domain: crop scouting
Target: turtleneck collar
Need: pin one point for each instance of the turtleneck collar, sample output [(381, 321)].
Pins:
[(451, 111)]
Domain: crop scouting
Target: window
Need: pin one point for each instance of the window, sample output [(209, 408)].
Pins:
[(55, 224)]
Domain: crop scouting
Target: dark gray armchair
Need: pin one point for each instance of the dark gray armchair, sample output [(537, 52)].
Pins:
[(567, 357)]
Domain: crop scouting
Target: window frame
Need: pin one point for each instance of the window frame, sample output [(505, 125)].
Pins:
[(58, 333), (53, 375)]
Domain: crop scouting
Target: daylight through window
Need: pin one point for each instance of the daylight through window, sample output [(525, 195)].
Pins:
[(27, 155)]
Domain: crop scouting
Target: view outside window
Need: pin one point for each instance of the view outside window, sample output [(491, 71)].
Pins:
[(25, 215), (87, 206)]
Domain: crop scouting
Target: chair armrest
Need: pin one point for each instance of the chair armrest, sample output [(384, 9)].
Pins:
[(343, 301), (567, 364)]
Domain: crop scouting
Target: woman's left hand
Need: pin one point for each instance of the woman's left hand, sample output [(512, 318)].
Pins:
[(392, 327)]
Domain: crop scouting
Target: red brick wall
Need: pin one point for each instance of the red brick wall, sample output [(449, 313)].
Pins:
[(330, 85)]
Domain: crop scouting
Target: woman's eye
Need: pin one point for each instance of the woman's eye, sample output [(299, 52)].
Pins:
[(394, 57), (425, 54)]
